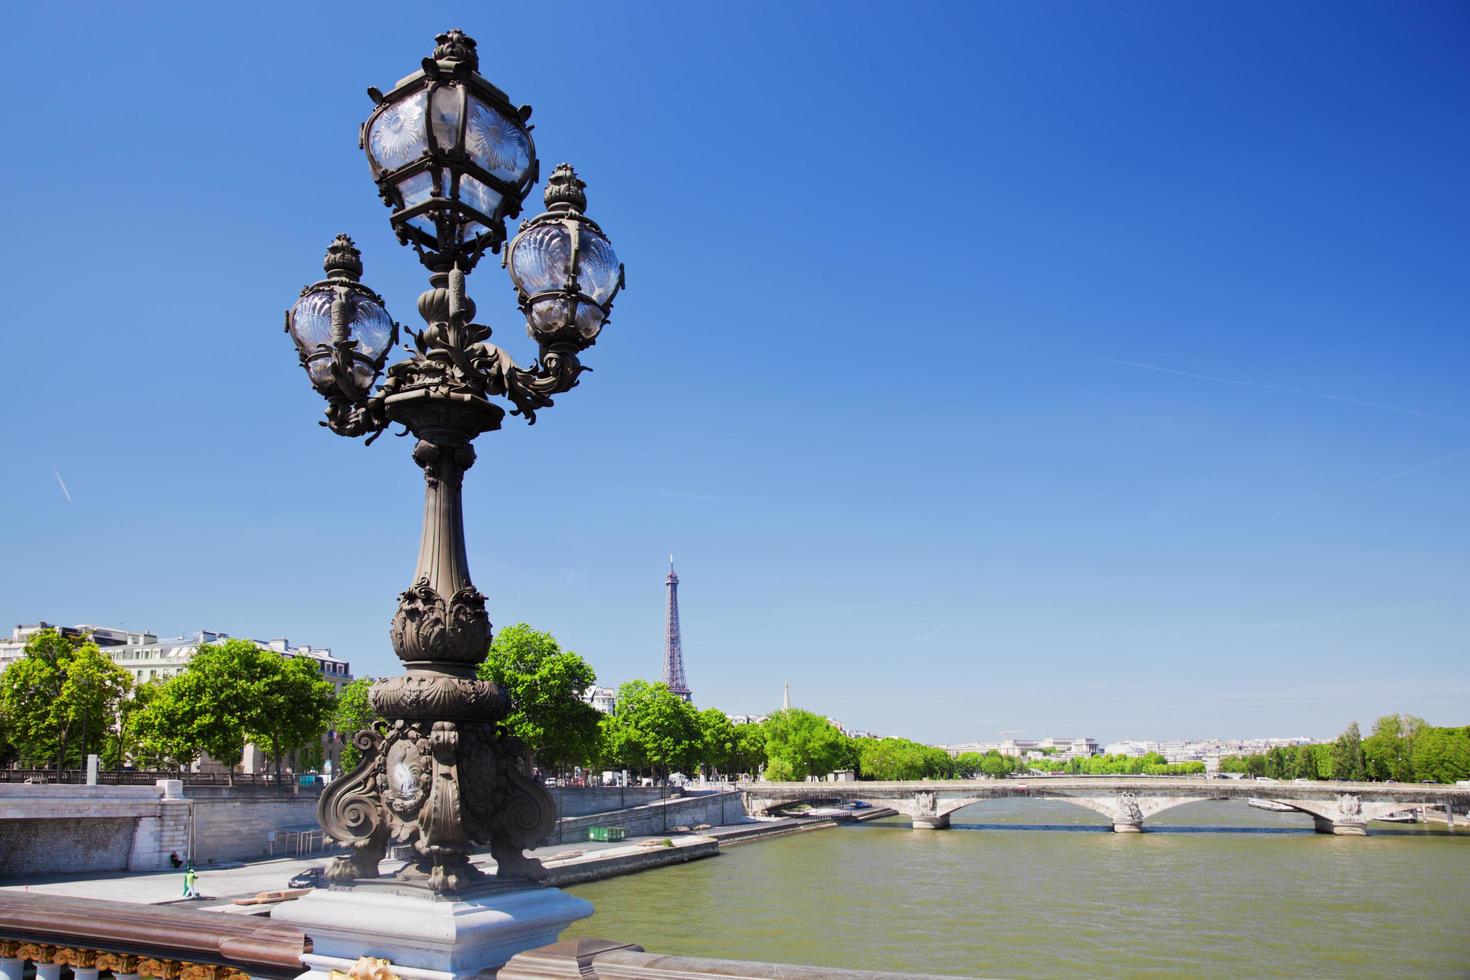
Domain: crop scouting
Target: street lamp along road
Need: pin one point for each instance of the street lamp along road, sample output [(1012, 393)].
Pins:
[(453, 160)]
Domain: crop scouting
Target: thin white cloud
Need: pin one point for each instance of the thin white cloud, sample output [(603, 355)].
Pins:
[(1417, 469), (62, 483), (677, 495), (1282, 388)]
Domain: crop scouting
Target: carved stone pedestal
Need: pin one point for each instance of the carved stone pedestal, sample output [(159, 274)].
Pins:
[(427, 936)]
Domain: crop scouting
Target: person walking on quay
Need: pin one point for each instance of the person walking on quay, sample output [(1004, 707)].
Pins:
[(190, 877)]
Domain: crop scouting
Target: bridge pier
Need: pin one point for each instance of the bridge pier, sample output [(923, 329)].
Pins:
[(1128, 828), (1342, 828), (931, 821)]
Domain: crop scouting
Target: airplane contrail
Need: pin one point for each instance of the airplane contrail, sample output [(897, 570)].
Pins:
[(1283, 388), (62, 482), (1415, 469)]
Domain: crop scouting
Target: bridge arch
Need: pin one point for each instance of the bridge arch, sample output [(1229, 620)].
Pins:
[(1346, 814), (1125, 808), (1126, 802)]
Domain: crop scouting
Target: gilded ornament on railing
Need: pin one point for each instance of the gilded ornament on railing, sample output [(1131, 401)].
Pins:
[(84, 958), (118, 962), (38, 952), (162, 969), (367, 968), (211, 971)]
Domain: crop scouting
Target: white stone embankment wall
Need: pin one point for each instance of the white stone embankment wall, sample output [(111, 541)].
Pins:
[(60, 828), (33, 847), (574, 801), (657, 818), (238, 827)]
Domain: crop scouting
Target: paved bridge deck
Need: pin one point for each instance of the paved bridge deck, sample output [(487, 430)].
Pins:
[(1338, 807)]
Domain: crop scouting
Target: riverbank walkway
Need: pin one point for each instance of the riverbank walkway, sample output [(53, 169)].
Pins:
[(569, 863)]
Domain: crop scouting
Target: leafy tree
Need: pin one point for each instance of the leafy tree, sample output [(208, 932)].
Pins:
[(292, 703), (1322, 761), (750, 749), (651, 729), (30, 690), (60, 700), (546, 684), (899, 758), (1388, 753), (234, 692), (800, 744), (209, 705), (1442, 754), (716, 740), (1347, 754), (158, 732), (353, 713), (94, 688)]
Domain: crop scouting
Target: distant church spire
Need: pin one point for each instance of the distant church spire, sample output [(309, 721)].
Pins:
[(786, 696), (673, 645)]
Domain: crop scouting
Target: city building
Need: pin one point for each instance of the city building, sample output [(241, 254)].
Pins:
[(604, 699), (148, 657), (1207, 750), (1030, 748)]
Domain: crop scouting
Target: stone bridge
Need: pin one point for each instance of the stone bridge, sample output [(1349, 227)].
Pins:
[(1336, 807)]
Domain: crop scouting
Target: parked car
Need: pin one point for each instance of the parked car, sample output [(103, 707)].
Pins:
[(313, 877)]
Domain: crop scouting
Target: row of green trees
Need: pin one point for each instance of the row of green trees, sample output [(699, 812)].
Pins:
[(1149, 764), (1401, 748), (60, 702), (65, 698), (651, 731)]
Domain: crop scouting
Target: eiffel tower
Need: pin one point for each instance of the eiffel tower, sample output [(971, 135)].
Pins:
[(673, 646)]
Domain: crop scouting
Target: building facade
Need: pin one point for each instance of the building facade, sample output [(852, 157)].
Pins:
[(1031, 748), (148, 657), (604, 699)]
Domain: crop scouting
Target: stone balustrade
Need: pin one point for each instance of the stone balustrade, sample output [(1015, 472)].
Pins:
[(600, 959), (132, 942)]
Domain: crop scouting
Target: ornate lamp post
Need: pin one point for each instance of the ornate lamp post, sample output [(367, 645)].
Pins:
[(453, 159)]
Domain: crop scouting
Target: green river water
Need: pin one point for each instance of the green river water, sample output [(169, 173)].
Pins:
[(1039, 888)]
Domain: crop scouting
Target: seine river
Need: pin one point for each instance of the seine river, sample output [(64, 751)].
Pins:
[(1038, 888)]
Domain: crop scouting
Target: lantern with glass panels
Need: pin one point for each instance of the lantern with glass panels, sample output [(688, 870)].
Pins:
[(453, 159)]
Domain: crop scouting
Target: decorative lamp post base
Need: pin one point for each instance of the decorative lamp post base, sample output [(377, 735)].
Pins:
[(426, 936)]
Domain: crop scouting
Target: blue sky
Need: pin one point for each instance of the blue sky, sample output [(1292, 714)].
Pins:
[(1091, 368)]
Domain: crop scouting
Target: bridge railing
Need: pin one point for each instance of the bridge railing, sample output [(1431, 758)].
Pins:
[(141, 777), (93, 938), (600, 959)]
